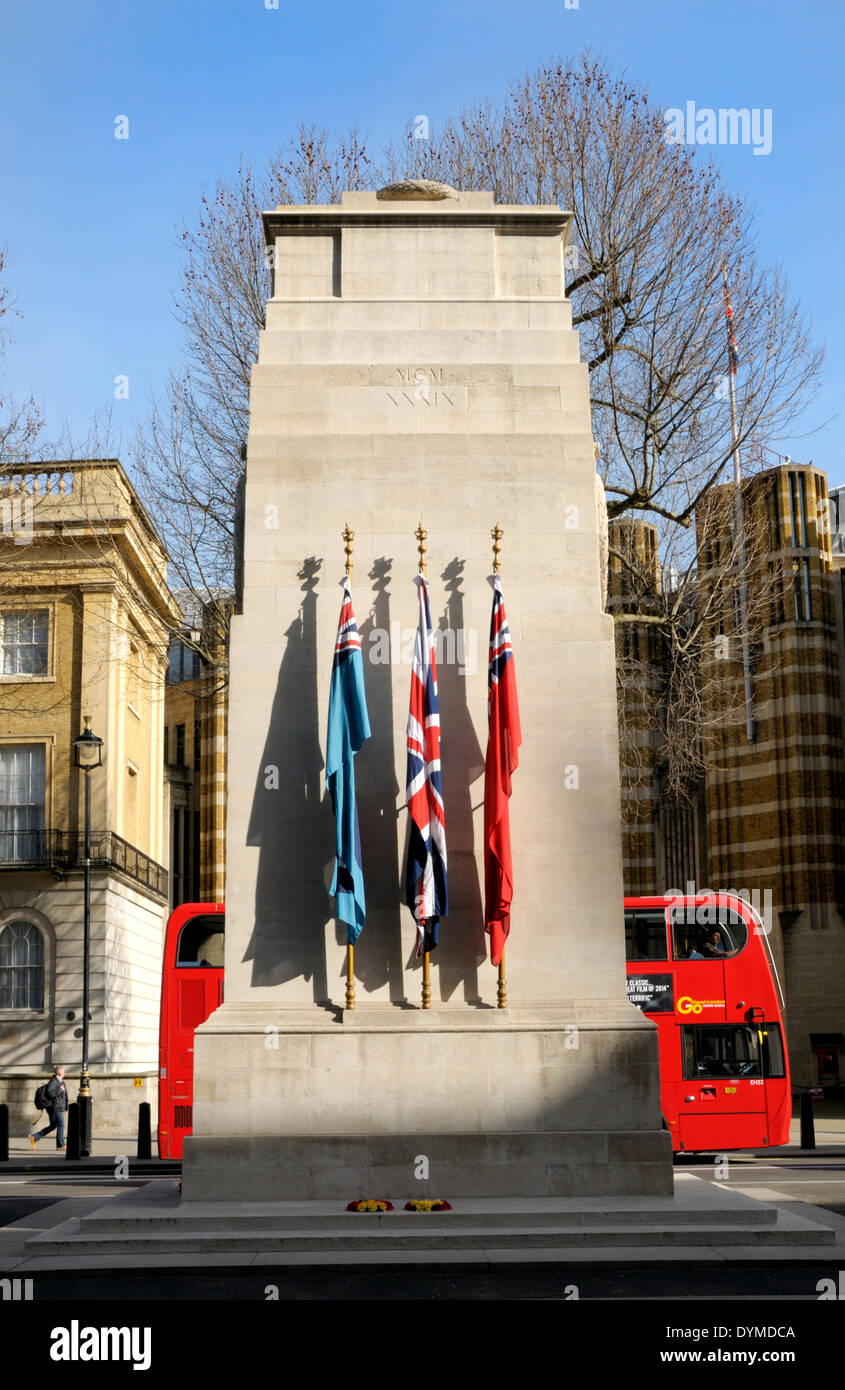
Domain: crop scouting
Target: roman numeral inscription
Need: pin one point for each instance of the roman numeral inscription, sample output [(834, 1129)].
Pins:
[(421, 388)]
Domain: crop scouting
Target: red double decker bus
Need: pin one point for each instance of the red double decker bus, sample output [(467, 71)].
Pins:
[(702, 968), (724, 1075), (191, 989)]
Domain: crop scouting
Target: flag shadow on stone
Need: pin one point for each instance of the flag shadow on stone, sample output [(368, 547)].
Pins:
[(462, 942), (378, 952), (290, 821)]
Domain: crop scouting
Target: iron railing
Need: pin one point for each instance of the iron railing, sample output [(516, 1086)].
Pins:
[(63, 851)]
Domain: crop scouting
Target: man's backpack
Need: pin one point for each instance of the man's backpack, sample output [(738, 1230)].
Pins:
[(42, 1100)]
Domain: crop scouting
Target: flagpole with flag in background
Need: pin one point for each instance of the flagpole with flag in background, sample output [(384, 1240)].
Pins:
[(349, 728), (425, 871), (733, 363), (504, 740)]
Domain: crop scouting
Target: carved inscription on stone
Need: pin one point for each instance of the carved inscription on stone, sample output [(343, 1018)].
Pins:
[(422, 388)]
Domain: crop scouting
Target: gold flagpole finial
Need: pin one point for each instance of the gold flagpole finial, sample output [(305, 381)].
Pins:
[(421, 536), (497, 534), (348, 538)]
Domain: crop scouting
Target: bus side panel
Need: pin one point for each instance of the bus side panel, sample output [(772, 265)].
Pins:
[(779, 1097), (164, 1132), (188, 995), (194, 994), (668, 1038), (700, 990)]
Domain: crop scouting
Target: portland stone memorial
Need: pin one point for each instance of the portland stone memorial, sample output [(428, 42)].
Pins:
[(418, 367)]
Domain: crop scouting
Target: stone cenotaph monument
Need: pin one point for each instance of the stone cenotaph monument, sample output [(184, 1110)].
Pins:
[(418, 365)]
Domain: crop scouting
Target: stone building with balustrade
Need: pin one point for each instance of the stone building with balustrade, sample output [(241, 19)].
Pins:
[(85, 623)]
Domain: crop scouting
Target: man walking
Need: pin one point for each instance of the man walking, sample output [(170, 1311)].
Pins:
[(56, 1107)]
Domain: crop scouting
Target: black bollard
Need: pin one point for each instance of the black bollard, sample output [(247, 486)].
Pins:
[(808, 1128), (86, 1124), (4, 1133), (72, 1136), (145, 1147)]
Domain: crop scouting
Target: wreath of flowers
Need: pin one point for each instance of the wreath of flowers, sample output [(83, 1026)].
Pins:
[(369, 1204), (427, 1204)]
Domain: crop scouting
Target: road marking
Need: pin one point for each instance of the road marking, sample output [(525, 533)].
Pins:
[(44, 1181), (787, 1182), (770, 1167)]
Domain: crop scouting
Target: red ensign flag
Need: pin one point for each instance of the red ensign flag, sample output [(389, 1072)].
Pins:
[(503, 742)]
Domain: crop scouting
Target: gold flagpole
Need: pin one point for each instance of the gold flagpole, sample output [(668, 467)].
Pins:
[(348, 538), (502, 987), (422, 536)]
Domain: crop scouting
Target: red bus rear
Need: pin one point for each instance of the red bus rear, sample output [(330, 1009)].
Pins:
[(702, 968), (192, 988)]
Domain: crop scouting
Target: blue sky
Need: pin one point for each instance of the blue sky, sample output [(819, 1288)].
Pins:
[(89, 222)]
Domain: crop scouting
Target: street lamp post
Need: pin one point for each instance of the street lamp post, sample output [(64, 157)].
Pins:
[(87, 754)]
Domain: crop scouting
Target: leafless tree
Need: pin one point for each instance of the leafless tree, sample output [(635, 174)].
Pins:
[(680, 636), (653, 224), (189, 456), (21, 424)]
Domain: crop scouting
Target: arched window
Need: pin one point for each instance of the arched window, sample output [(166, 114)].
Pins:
[(21, 967)]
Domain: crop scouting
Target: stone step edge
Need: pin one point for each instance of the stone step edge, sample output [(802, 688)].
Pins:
[(599, 1257), (129, 1221), (623, 1236)]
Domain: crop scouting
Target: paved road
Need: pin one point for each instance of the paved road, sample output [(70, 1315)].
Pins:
[(21, 1194), (817, 1181)]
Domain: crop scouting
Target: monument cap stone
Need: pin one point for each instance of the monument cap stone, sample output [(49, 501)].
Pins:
[(412, 190)]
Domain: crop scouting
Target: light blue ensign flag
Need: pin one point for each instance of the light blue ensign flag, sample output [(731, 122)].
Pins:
[(349, 726)]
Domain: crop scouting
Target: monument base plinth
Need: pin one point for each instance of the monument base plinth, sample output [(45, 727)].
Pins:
[(553, 1100), (266, 1168)]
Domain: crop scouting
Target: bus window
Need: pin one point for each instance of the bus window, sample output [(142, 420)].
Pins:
[(645, 934), (713, 1051), (706, 932), (772, 1050), (201, 943)]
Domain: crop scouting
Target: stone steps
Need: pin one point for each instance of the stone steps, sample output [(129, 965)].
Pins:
[(152, 1228), (277, 1217), (330, 1242), (150, 1225)]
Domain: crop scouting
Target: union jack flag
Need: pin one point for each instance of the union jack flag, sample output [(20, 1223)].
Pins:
[(503, 743), (733, 350), (348, 638), (425, 872)]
